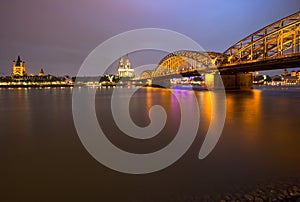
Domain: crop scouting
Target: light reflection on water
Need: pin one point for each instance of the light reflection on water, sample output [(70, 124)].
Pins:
[(42, 156)]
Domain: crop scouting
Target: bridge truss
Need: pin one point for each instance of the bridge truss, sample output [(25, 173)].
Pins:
[(275, 46), (181, 62), (277, 40)]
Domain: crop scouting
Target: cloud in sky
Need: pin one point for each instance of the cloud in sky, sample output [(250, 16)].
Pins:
[(57, 35)]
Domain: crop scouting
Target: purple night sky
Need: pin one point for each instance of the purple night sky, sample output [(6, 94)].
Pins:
[(58, 35)]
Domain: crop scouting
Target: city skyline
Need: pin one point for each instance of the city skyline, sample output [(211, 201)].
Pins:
[(135, 100), (57, 36)]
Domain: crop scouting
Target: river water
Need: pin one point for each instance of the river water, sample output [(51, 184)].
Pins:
[(43, 159)]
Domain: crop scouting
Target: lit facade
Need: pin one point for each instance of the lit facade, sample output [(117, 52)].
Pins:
[(293, 73), (125, 70), (19, 68), (41, 73)]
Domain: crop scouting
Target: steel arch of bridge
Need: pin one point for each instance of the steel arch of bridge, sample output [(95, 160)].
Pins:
[(277, 40), (181, 62), (147, 74), (271, 45)]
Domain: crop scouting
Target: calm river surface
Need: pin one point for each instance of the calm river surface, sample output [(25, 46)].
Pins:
[(42, 158)]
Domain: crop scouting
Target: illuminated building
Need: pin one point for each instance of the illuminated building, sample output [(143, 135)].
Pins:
[(19, 68), (125, 70), (284, 72), (42, 72), (293, 73)]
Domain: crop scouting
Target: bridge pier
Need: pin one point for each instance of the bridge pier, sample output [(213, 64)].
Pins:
[(161, 82), (242, 81)]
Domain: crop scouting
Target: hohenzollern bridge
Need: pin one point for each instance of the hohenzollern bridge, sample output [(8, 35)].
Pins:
[(275, 46)]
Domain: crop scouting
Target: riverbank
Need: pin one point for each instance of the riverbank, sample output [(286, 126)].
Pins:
[(36, 85), (287, 190)]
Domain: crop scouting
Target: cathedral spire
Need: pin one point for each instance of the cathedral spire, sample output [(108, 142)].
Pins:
[(127, 65), (18, 63), (125, 70), (121, 63)]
